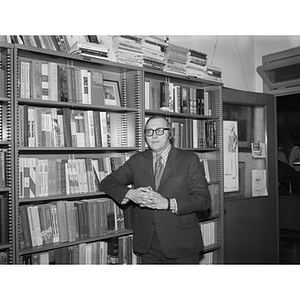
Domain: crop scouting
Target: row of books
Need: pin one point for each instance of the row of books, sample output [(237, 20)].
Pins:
[(166, 96), (65, 175), (154, 49), (214, 209), (206, 259), (194, 133), (175, 59), (196, 64), (45, 80), (155, 52), (204, 163), (117, 250), (3, 219), (65, 127), (68, 221), (208, 233), (61, 43), (3, 258), (127, 49)]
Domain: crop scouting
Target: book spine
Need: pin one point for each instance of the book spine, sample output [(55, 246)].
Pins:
[(37, 225), (104, 130), (32, 225), (45, 81), (67, 127), (26, 228), (53, 81), (54, 223), (97, 94), (62, 221), (71, 92), (62, 84), (69, 221)]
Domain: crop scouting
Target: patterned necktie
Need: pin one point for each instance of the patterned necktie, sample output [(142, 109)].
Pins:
[(158, 170)]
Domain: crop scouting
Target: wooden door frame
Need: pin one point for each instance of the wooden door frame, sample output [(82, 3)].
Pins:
[(259, 206)]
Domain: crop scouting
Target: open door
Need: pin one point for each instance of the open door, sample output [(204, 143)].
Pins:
[(251, 229)]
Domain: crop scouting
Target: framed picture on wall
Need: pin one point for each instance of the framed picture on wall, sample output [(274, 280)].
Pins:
[(244, 115), (231, 148), (111, 93)]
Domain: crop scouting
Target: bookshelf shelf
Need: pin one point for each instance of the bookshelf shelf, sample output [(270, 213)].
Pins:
[(49, 103), (179, 77), (61, 197), (5, 246), (203, 149), (3, 99), (41, 150), (210, 217), (5, 143), (178, 115), (211, 248), (49, 247)]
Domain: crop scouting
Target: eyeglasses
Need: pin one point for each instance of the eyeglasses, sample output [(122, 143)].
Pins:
[(158, 131)]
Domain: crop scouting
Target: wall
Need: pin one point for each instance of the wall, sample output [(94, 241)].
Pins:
[(237, 56)]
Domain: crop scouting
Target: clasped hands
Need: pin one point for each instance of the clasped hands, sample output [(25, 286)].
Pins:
[(146, 197)]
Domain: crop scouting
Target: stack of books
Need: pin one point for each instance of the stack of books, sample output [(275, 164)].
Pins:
[(127, 49), (154, 51), (176, 58), (213, 73), (87, 49), (196, 64)]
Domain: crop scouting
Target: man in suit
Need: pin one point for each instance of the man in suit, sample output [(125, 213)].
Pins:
[(165, 223)]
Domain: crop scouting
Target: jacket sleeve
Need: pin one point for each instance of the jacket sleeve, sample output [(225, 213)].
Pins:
[(198, 196), (116, 183)]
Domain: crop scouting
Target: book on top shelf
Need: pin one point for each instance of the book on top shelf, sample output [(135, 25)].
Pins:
[(90, 50), (97, 93)]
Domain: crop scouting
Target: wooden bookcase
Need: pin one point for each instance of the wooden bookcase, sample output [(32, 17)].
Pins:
[(6, 159), (202, 114), (44, 153)]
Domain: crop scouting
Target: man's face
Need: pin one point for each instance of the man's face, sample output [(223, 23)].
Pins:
[(157, 143)]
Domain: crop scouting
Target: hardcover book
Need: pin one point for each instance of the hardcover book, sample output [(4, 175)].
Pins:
[(97, 94), (45, 81)]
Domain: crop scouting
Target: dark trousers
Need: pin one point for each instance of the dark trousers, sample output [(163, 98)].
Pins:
[(156, 256)]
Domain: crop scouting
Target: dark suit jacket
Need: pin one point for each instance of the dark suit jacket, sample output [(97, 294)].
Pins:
[(183, 179)]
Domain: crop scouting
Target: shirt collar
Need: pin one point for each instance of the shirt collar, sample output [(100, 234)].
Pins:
[(164, 154)]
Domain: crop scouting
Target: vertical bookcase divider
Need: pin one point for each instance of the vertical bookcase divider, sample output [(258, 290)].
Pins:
[(220, 173), (138, 105), (9, 157), (6, 131), (124, 119)]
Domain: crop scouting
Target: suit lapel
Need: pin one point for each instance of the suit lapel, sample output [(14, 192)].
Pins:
[(148, 168)]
